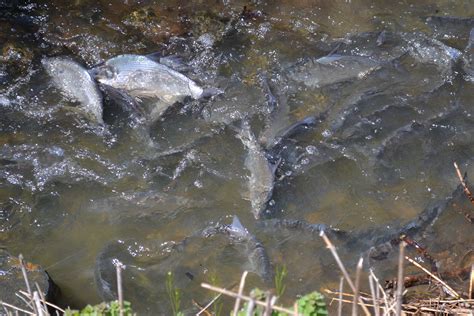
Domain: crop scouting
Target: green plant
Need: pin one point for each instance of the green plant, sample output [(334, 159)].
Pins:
[(102, 309), (280, 275), (258, 295), (312, 304), (174, 294)]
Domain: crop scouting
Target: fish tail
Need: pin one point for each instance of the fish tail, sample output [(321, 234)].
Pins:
[(210, 92), (245, 134)]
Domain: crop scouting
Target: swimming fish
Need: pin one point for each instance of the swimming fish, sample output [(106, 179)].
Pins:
[(332, 69), (468, 58), (254, 250), (262, 172), (301, 226), (142, 77), (76, 84), (381, 241), (291, 130)]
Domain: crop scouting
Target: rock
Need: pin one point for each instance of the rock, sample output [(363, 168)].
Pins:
[(12, 281)]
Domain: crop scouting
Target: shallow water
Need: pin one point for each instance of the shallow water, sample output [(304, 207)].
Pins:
[(73, 193)]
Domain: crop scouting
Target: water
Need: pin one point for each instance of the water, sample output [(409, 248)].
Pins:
[(72, 192)]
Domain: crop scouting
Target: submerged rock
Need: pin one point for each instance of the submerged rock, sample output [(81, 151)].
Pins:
[(12, 281)]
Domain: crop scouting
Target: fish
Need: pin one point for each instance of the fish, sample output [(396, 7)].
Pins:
[(278, 117), (301, 226), (272, 101), (468, 58), (138, 257), (262, 172), (76, 84), (450, 27), (427, 50), (127, 103), (327, 70), (292, 129), (255, 251), (142, 77), (380, 241)]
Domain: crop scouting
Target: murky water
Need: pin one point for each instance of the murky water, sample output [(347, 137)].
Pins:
[(391, 122)]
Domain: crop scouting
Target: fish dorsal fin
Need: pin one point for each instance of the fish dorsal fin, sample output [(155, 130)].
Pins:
[(237, 228), (236, 224), (172, 61)]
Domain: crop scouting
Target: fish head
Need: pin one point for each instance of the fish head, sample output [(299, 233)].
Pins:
[(127, 72)]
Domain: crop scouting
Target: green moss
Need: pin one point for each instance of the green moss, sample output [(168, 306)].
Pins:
[(102, 309)]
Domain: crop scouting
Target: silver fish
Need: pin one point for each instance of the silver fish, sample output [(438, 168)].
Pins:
[(332, 69), (380, 241), (76, 84), (292, 129), (255, 252), (278, 224), (262, 173), (141, 77), (450, 27), (427, 50), (468, 59)]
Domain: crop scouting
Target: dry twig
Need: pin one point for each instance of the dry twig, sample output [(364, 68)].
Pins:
[(331, 247), (356, 285), (241, 290), (399, 293), (447, 287), (463, 183), (243, 297)]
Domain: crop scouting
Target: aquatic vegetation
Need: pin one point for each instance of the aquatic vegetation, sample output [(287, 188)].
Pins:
[(103, 309), (312, 304), (280, 275), (174, 295)]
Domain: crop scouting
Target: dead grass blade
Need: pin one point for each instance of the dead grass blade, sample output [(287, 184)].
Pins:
[(241, 290), (244, 297), (331, 248), (447, 287)]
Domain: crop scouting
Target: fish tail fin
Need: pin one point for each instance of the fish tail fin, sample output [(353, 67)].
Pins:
[(244, 133), (210, 92)]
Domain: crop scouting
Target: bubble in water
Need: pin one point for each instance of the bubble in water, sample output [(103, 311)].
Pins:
[(311, 149), (55, 150), (326, 133), (207, 40), (304, 161)]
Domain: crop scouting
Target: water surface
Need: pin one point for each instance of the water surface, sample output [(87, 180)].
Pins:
[(72, 192)]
